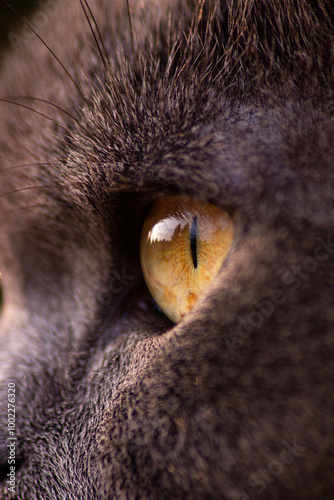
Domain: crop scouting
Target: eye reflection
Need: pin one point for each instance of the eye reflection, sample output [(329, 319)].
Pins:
[(184, 242), (165, 229)]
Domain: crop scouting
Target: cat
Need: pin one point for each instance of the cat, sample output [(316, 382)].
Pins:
[(106, 107)]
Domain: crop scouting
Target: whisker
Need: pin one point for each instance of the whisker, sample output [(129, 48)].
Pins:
[(131, 29), (95, 38), (8, 101), (45, 101), (98, 31), (26, 165), (29, 188), (45, 44)]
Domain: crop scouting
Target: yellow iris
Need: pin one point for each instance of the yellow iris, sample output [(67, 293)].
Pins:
[(184, 242)]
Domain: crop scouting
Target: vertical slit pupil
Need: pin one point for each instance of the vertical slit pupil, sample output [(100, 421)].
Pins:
[(193, 241)]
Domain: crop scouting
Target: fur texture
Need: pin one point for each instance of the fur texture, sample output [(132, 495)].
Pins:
[(230, 102)]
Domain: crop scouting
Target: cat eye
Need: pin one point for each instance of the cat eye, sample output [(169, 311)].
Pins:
[(184, 243)]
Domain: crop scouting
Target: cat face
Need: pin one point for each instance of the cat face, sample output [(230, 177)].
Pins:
[(106, 397)]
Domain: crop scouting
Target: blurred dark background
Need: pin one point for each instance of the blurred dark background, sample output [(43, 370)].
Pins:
[(8, 20)]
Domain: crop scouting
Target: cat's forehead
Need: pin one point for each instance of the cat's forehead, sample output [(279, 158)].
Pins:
[(176, 96)]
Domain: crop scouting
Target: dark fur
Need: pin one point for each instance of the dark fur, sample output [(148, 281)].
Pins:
[(112, 400)]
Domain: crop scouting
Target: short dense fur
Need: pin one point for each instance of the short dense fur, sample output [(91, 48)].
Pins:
[(230, 102)]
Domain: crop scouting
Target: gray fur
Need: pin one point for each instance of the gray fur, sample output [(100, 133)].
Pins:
[(229, 102)]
